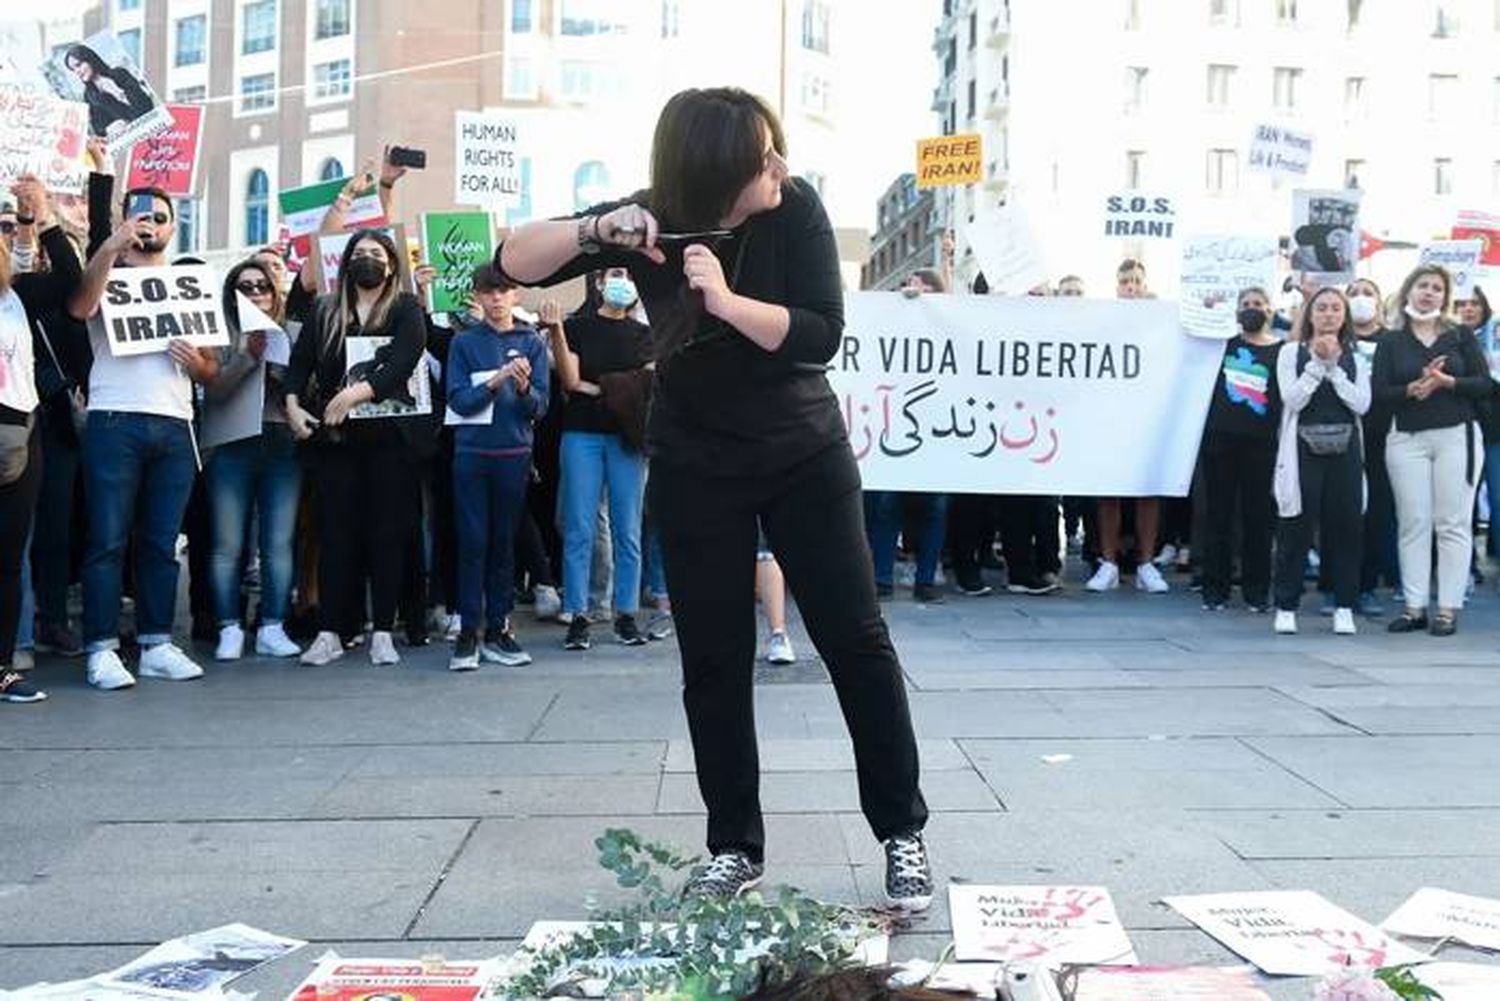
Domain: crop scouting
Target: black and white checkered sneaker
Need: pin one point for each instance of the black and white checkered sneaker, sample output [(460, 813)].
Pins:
[(727, 874), (908, 876)]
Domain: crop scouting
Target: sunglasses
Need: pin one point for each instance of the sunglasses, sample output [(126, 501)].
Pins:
[(254, 287), (160, 218)]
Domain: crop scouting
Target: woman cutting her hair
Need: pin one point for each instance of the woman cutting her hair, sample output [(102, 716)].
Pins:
[(737, 267)]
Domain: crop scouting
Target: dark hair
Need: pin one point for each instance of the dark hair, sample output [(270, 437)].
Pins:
[(708, 145), (488, 278), (932, 278), (1485, 313), (1304, 322), (154, 192), (232, 304), (1130, 264), (82, 53)]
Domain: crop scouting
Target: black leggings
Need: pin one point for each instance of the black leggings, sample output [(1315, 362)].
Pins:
[(17, 504), (813, 517), (1332, 495), (1237, 475), (367, 509)]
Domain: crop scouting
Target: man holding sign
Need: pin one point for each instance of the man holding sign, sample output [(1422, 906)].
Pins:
[(139, 454)]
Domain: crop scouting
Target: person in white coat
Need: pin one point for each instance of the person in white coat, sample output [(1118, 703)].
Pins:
[(1319, 481)]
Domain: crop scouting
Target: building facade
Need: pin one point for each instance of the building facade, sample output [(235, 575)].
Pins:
[(907, 235), (298, 91), (1079, 99)]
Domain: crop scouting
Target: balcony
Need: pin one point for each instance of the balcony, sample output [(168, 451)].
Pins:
[(942, 34), (997, 106), (998, 34), (996, 179), (942, 94)]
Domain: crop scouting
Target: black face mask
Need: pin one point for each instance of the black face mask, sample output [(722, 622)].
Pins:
[(1252, 320), (366, 272)]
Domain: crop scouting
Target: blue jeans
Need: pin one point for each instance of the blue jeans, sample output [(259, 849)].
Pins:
[(589, 461), (489, 495), (263, 472), (26, 627), (883, 525), (138, 473)]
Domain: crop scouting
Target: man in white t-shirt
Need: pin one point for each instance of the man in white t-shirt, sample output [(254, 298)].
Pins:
[(139, 463)]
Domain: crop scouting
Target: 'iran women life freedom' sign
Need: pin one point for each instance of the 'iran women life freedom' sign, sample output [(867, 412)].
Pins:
[(981, 394)]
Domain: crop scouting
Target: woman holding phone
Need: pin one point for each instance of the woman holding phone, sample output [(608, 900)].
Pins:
[(1434, 378), (736, 264)]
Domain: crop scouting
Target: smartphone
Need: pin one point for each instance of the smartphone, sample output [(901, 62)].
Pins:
[(402, 156), (142, 203)]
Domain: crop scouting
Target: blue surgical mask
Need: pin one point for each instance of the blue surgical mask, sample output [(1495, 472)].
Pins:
[(619, 293)]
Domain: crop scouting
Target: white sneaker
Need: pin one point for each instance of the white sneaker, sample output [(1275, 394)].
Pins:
[(169, 663), (548, 602), (1150, 580), (779, 649), (231, 643), (272, 641), (383, 650), (1343, 621), (1286, 623), (454, 626), (324, 650), (1167, 556), (106, 673), (1106, 578)]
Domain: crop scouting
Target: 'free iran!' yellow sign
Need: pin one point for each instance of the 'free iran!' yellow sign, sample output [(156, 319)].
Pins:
[(948, 160)]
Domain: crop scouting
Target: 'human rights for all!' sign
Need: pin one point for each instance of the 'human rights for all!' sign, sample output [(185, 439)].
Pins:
[(486, 158), (145, 309), (944, 161)]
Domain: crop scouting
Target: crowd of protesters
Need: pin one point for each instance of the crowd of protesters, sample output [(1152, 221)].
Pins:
[(1346, 441)]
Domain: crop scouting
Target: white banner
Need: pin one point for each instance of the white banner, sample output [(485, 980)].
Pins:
[(1215, 269), (1432, 913), (1136, 216), (1280, 152), (1047, 925), (1030, 395), (145, 309), (486, 158), (1460, 258), (1007, 250)]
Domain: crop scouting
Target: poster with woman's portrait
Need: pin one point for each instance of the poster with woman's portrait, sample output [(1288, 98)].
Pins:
[(122, 107)]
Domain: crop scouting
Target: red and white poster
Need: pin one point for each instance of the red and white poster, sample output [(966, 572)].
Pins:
[(338, 979), (1475, 225), (169, 160), (1046, 925)]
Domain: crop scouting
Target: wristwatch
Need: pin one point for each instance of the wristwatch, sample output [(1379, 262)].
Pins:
[(586, 243)]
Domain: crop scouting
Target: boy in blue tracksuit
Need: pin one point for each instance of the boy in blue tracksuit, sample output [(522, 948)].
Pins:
[(497, 382)]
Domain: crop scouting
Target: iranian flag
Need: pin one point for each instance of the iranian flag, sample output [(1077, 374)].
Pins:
[(302, 211)]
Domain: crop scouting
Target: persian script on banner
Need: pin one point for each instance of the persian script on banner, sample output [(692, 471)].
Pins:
[(1432, 913), (1215, 269), (988, 394), (1050, 925), (43, 135)]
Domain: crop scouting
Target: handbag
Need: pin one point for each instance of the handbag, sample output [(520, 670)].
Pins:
[(15, 449), (1326, 439), (78, 407)]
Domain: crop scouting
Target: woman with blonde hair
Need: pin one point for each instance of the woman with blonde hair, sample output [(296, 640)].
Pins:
[(1433, 376)]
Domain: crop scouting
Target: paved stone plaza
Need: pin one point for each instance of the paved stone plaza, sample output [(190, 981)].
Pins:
[(405, 811)]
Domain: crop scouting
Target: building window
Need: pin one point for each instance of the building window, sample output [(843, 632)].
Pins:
[(330, 169), (815, 18), (1442, 176), (520, 17), (190, 95), (332, 80), (1221, 11), (950, 61), (1220, 77), (590, 184), (591, 17), (1446, 25), (186, 213), (520, 79), (258, 27), (333, 19), (1285, 83), (1223, 172), (1442, 89), (585, 81), (973, 30), (1353, 171), (257, 207), (191, 34), (1132, 15), (1356, 105), (1135, 88), (1356, 8), (258, 92), (972, 88), (128, 5), (817, 95), (1135, 166), (130, 41), (671, 16), (1286, 11)]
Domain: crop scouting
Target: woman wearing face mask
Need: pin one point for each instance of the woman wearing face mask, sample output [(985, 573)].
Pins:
[(1239, 457), (260, 472), (366, 508), (1378, 561), (1432, 375), (1475, 313), (1319, 479), (604, 361)]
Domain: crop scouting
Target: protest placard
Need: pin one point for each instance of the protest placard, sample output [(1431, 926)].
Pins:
[(1007, 250), (303, 209), (481, 417), (1280, 152), (42, 135), (1045, 925), (1325, 235), (1215, 269), (1460, 258), (989, 394), (1433, 913), (1133, 215), (944, 161), (123, 109), (455, 243), (145, 309), (206, 960), (362, 355), (486, 158), (1462, 981), (1482, 226), (169, 159), (339, 979), (1294, 933), (1158, 983)]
